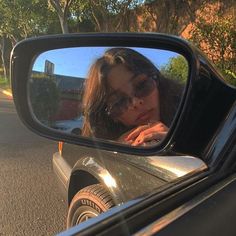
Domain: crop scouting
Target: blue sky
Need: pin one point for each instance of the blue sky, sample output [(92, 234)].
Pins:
[(77, 61)]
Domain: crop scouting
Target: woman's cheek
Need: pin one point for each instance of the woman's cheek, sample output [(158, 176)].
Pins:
[(127, 119), (154, 102)]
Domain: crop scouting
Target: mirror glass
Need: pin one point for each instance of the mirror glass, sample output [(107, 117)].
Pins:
[(126, 95)]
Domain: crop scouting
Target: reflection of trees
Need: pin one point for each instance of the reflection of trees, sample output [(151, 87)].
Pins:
[(176, 68), (44, 98)]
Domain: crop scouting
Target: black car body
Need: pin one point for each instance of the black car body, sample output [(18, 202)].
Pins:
[(77, 168), (204, 129)]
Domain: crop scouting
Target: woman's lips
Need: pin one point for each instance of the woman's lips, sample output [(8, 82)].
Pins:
[(144, 116)]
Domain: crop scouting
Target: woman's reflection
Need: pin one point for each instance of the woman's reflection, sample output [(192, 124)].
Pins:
[(127, 99)]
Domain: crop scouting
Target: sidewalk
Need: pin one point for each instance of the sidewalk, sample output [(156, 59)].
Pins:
[(9, 94)]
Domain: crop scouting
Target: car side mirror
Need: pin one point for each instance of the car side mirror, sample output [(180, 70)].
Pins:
[(123, 92)]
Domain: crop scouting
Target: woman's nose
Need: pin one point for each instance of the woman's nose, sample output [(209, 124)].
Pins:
[(136, 102)]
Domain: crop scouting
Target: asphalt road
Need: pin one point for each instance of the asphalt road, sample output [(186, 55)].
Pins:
[(30, 201)]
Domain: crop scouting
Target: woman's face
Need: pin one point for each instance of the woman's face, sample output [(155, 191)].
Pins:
[(134, 99)]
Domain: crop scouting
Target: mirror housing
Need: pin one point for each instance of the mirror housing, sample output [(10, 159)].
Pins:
[(197, 118)]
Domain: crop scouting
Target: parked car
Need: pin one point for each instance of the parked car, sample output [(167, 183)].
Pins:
[(167, 188), (69, 126)]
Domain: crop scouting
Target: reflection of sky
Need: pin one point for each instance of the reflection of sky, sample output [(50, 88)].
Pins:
[(76, 61)]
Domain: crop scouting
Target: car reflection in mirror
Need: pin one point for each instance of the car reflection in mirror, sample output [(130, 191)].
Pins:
[(73, 126)]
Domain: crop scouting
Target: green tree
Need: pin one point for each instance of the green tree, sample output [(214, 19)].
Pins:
[(80, 19), (105, 15), (20, 19), (62, 8), (177, 68), (217, 39), (44, 98), (5, 49), (24, 18), (109, 15)]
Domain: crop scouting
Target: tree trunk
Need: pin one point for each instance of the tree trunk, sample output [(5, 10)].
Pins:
[(64, 25), (5, 56), (62, 12)]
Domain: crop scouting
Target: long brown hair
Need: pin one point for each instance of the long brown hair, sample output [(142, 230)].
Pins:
[(97, 122)]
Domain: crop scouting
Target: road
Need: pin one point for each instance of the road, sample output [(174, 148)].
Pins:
[(30, 202)]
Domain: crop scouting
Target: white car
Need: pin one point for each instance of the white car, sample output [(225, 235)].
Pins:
[(70, 126)]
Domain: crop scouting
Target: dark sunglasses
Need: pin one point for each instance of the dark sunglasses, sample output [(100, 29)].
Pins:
[(143, 88)]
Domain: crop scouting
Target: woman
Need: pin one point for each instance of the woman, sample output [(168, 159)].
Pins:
[(127, 99)]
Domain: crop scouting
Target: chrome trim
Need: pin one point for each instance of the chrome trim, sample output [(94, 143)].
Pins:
[(61, 168), (168, 168), (180, 211), (177, 166)]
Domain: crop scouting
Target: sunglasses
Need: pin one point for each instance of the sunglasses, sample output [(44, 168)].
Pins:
[(143, 86)]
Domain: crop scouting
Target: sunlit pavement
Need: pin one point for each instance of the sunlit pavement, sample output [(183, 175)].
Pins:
[(30, 202), (9, 94)]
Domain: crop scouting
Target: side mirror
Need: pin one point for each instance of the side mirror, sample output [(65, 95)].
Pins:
[(147, 108), (101, 89)]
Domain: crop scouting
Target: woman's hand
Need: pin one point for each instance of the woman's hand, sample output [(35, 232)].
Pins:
[(145, 133)]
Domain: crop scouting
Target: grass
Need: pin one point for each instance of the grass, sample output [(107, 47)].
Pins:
[(5, 84)]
